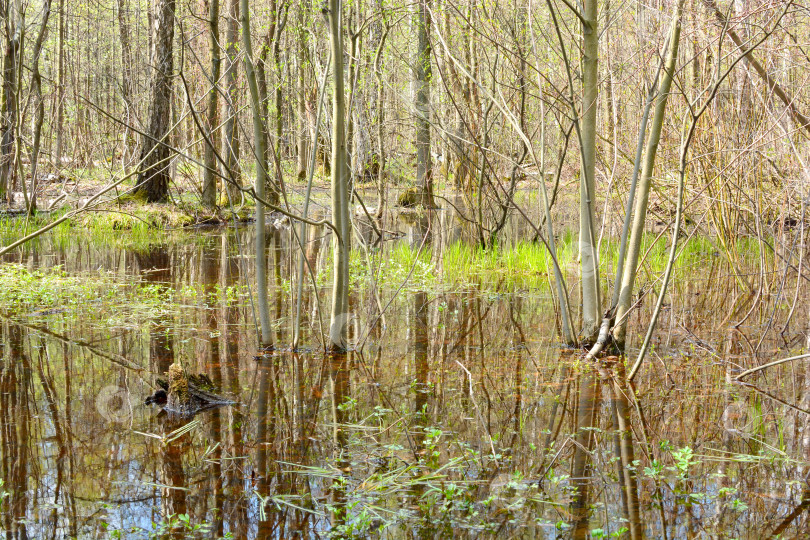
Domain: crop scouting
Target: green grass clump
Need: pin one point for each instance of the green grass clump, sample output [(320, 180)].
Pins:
[(524, 266)]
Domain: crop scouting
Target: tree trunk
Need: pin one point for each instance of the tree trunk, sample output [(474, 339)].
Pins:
[(260, 151), (302, 140), (278, 28), (271, 193), (640, 212), (39, 104), (9, 115), (127, 73), (209, 188), (60, 86), (422, 75), (231, 146), (153, 181), (340, 183), (587, 215)]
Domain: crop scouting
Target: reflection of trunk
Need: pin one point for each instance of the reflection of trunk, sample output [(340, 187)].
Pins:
[(580, 475), (230, 369), (153, 182), (419, 331), (341, 394), (15, 427), (49, 389), (173, 496), (265, 438), (516, 305), (209, 275), (155, 267), (70, 502), (420, 235), (626, 455)]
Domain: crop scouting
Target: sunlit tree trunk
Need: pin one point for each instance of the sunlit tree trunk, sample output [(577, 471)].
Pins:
[(153, 182), (340, 183), (587, 216)]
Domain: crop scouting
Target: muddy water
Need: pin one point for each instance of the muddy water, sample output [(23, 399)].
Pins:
[(456, 414)]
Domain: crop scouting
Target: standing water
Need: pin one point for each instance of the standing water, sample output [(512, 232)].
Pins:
[(455, 414)]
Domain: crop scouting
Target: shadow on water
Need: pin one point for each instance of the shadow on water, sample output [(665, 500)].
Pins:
[(455, 415)]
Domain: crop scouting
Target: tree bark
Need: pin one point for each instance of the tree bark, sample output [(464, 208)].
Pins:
[(153, 181), (301, 87), (127, 74), (9, 113), (640, 212), (422, 75), (260, 151), (60, 86), (340, 183), (209, 187), (589, 263), (39, 104), (231, 146)]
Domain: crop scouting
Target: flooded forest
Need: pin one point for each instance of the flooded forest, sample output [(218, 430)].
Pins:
[(375, 269)]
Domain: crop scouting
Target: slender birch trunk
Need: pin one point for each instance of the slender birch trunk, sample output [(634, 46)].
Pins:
[(589, 261), (640, 213), (340, 183)]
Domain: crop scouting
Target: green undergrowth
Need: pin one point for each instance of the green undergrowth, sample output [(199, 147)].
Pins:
[(94, 296)]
